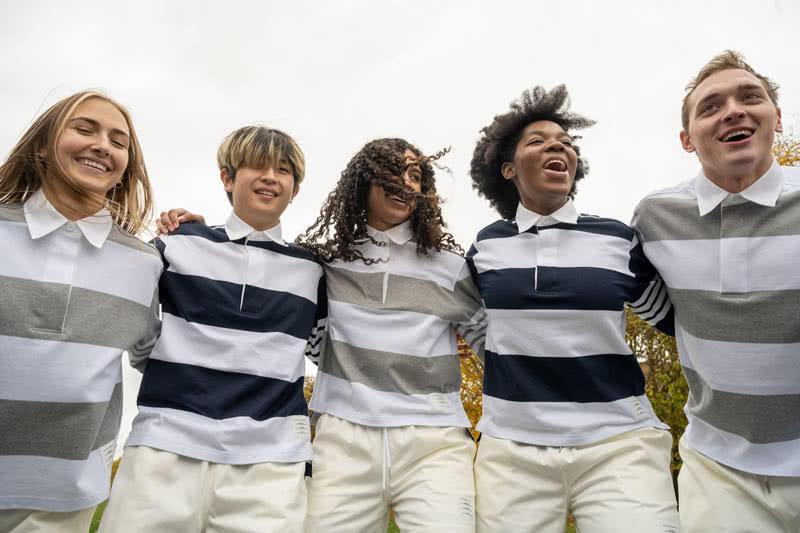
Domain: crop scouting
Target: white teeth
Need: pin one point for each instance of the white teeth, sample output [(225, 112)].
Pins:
[(746, 133), (266, 193), (93, 164)]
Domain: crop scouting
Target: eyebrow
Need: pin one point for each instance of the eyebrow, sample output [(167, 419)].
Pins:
[(739, 88), (97, 124), (544, 134)]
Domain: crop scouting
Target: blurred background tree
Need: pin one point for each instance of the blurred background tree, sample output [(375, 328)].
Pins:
[(787, 149)]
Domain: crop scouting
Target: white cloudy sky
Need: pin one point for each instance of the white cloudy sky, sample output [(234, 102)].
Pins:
[(336, 74)]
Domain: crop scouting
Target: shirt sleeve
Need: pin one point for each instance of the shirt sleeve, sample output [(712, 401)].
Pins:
[(472, 325), (139, 352), (650, 300), (316, 341)]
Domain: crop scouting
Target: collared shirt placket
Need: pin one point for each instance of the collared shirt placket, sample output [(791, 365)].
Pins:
[(62, 256)]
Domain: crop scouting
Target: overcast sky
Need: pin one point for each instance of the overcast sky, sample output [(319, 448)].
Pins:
[(336, 74)]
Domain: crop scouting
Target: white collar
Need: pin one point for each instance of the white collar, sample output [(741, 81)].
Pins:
[(236, 228), (526, 218), (764, 191), (399, 234), (43, 218)]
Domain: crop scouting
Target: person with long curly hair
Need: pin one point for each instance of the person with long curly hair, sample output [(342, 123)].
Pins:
[(566, 424), (390, 427), (391, 430)]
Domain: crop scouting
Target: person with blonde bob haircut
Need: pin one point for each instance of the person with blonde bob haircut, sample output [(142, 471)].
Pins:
[(222, 437), (78, 289)]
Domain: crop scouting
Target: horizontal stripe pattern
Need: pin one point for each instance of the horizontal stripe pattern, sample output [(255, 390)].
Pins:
[(735, 451), (389, 357), (365, 289), (561, 424), (258, 354), (554, 333), (756, 264), (775, 365), (720, 317), (68, 311), (37, 370), (390, 330), (666, 216), (555, 344), (586, 379), (733, 279), (393, 372), (217, 394), (67, 258), (272, 271), (221, 304), (743, 414), (225, 380), (57, 312), (59, 429), (238, 440), (363, 405), (59, 485)]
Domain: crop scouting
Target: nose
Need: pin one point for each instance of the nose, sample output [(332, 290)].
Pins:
[(556, 146), (102, 145), (269, 175), (733, 110)]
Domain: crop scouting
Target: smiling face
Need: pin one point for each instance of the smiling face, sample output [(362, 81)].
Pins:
[(384, 210), (260, 197), (543, 168), (732, 125), (92, 150)]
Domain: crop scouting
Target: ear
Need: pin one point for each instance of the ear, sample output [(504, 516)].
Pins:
[(294, 193), (779, 125), (227, 182), (686, 142), (507, 170)]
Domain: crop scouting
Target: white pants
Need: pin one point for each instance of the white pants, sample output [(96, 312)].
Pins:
[(720, 499), (159, 491), (30, 521), (423, 473), (619, 485)]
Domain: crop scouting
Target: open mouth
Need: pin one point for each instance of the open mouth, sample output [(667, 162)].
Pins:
[(555, 165), (93, 164), (738, 135), (268, 194)]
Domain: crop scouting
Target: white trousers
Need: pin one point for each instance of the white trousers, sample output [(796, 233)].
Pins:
[(159, 491), (30, 521), (720, 499), (619, 485), (360, 472)]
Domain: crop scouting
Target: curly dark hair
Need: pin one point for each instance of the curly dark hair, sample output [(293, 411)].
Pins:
[(343, 218), (498, 142)]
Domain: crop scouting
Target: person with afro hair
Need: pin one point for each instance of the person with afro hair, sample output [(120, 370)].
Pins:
[(567, 427)]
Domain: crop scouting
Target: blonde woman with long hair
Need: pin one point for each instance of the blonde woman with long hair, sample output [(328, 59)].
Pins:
[(79, 288)]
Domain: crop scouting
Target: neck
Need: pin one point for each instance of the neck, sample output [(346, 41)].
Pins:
[(739, 179), (73, 204), (259, 224), (544, 206)]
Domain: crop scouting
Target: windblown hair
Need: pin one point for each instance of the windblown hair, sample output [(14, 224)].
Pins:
[(498, 143), (259, 148), (727, 60), (32, 163), (342, 222)]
